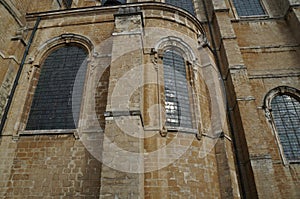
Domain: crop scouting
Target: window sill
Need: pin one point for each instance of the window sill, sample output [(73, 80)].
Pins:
[(250, 18), (48, 132), (293, 162), (181, 130)]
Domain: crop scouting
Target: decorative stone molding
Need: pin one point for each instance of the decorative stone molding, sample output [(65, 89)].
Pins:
[(175, 42), (202, 41), (268, 112), (60, 40), (277, 91), (21, 35), (128, 21)]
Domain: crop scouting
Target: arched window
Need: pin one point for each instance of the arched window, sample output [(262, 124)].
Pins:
[(56, 100), (184, 4), (177, 101), (284, 107)]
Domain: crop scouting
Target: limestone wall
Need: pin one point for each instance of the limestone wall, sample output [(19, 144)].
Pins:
[(256, 55), (48, 167)]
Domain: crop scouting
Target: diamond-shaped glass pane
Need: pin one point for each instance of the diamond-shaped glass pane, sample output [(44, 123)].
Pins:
[(56, 98), (249, 7), (177, 104)]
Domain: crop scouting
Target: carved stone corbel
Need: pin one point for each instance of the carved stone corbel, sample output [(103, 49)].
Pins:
[(163, 132), (202, 41), (154, 56), (268, 114)]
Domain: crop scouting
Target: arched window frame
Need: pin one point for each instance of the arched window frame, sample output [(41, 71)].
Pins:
[(282, 90), (38, 59), (177, 44)]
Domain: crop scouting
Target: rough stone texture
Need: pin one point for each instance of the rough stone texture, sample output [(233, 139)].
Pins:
[(122, 152), (10, 56), (49, 167), (269, 52), (194, 173)]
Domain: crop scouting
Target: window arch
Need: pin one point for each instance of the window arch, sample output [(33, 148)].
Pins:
[(283, 111), (56, 100), (177, 100)]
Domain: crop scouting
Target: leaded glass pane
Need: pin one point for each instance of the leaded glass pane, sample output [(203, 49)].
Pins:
[(286, 115), (249, 7), (176, 91), (184, 4), (53, 99)]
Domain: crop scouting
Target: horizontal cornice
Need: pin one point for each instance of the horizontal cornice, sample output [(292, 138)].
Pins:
[(99, 10)]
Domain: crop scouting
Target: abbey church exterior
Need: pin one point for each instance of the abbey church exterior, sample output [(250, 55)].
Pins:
[(136, 99)]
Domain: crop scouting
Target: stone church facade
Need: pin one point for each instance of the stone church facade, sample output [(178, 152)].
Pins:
[(150, 99)]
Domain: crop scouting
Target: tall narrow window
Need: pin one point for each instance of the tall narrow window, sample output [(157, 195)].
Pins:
[(177, 102), (246, 8), (286, 117), (184, 4), (54, 102)]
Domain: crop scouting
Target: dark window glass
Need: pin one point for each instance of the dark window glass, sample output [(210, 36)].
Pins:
[(54, 98), (286, 116), (184, 4), (113, 2), (177, 104), (249, 7), (68, 3)]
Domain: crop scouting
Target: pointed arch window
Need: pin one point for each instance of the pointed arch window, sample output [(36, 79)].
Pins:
[(284, 107), (177, 100), (184, 4), (56, 100)]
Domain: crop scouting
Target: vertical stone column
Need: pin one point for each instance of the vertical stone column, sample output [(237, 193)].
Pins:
[(122, 157), (293, 18), (240, 100)]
